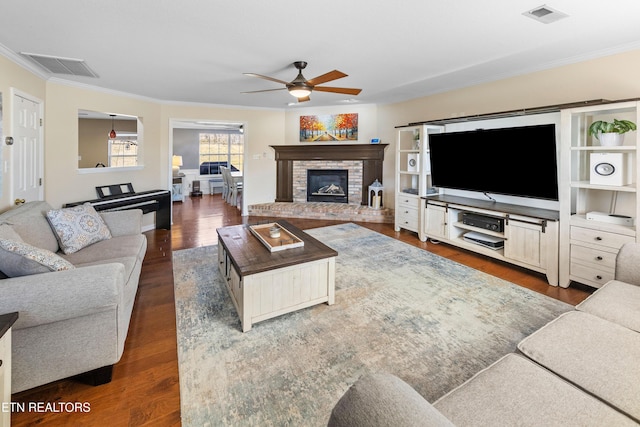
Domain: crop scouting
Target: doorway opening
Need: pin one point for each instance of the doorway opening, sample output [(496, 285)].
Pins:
[(199, 148)]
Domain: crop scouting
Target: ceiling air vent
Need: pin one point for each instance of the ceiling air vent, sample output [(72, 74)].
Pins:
[(58, 65), (545, 14)]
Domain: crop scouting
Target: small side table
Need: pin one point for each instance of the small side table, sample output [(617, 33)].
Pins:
[(6, 322), (177, 194)]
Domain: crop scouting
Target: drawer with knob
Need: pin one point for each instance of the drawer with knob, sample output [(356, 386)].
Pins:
[(594, 257), (408, 213), (408, 219), (408, 202), (599, 237), (591, 276)]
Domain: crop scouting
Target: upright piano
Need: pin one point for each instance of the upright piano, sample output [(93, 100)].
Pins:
[(123, 197)]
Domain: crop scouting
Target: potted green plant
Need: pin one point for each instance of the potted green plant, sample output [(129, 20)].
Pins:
[(611, 133)]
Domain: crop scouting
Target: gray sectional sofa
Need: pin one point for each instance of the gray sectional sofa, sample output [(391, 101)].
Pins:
[(581, 369), (74, 312)]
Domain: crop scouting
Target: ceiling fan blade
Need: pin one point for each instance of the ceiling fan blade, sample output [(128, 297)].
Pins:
[(327, 77), (264, 90), (304, 99), (266, 78), (345, 90)]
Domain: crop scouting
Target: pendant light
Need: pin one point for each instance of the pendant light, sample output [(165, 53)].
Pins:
[(112, 134)]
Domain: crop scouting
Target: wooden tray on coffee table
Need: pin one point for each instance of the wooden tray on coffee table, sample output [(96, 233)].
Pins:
[(286, 240)]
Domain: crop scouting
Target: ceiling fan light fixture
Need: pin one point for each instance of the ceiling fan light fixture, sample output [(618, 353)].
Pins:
[(300, 90)]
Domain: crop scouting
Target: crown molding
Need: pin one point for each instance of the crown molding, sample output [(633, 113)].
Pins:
[(23, 62)]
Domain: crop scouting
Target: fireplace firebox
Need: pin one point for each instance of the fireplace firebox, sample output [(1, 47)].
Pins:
[(328, 185)]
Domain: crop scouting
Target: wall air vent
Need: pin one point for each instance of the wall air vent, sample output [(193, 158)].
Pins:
[(545, 14), (58, 65)]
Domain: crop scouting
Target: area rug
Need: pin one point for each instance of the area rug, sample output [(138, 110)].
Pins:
[(399, 309)]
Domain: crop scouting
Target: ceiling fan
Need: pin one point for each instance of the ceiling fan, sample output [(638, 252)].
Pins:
[(301, 88)]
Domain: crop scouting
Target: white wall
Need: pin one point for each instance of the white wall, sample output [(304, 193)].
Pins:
[(13, 76), (613, 77), (64, 182), (367, 122), (368, 129)]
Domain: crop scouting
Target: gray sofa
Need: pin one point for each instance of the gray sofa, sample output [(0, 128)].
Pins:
[(581, 369), (73, 321)]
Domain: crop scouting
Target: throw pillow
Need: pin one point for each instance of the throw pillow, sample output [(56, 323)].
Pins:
[(77, 227), (7, 232), (21, 259)]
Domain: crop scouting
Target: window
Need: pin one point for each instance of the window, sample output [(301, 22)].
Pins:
[(123, 151), (224, 147)]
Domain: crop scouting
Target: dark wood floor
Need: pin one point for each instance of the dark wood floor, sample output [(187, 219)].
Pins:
[(145, 388)]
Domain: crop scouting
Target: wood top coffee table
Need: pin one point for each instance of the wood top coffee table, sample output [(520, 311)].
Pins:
[(265, 284)]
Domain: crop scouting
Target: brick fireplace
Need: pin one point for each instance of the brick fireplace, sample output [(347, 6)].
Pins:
[(352, 168), (363, 163), (327, 185)]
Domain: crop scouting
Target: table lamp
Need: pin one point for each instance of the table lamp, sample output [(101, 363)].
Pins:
[(176, 162)]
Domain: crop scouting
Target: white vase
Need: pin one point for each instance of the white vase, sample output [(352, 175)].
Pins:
[(611, 139)]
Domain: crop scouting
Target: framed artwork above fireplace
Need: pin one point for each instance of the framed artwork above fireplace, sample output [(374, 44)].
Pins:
[(329, 127)]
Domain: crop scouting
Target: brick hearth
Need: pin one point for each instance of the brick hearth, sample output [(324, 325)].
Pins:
[(318, 210)]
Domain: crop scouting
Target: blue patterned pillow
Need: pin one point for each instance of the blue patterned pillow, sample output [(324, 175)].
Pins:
[(22, 259), (77, 227)]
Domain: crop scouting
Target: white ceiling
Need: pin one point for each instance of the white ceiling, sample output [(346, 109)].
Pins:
[(198, 50)]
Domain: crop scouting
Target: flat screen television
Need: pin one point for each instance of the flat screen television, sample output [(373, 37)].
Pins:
[(516, 161)]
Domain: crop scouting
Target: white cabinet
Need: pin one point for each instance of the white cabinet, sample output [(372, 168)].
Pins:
[(177, 190), (435, 222), (527, 237), (5, 377), (413, 177), (593, 252), (532, 242), (277, 291), (6, 323), (407, 212), (590, 242)]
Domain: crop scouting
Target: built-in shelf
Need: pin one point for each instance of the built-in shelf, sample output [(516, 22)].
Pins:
[(631, 188), (588, 247), (603, 148)]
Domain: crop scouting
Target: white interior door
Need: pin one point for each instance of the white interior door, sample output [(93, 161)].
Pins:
[(27, 150)]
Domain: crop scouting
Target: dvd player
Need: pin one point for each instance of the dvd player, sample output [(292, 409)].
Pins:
[(483, 221), (484, 240)]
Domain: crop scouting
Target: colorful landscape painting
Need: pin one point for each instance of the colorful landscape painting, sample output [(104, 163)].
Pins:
[(329, 127)]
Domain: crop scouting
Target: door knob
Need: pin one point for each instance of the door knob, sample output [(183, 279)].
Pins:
[(19, 201)]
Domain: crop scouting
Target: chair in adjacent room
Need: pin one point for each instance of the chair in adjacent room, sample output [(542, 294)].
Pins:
[(195, 189), (235, 187), (225, 183)]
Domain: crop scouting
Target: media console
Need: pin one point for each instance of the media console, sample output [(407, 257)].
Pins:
[(520, 235)]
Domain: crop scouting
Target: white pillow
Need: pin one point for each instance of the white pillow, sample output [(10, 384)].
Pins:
[(77, 227), (21, 259)]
